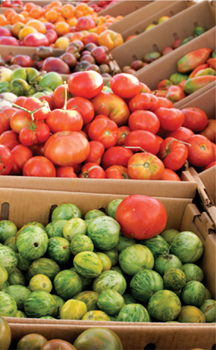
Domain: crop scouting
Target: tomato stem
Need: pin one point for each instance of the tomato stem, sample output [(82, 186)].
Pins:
[(135, 147), (30, 112), (65, 101)]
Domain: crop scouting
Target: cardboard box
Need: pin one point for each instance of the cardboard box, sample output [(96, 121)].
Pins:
[(137, 21), (182, 215), (163, 35)]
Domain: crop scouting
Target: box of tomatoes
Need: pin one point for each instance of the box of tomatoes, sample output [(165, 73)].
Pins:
[(181, 218)]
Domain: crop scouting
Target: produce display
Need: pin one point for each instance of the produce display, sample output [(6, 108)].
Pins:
[(111, 265)]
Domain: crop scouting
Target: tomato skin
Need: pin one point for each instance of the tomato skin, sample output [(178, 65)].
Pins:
[(57, 344), (4, 121), (116, 155), (143, 101), (96, 151), (164, 102), (210, 130), (181, 134), (144, 87), (34, 134), (123, 131), (65, 171), (92, 171), (20, 100), (200, 152), (144, 139), (21, 154), (175, 93), (173, 153), (18, 120), (6, 160), (64, 120), (170, 118), (103, 130), (32, 103), (141, 217), (83, 106), (58, 96), (125, 85), (116, 172), (5, 334), (144, 120), (145, 166), (194, 118), (67, 148), (170, 175), (39, 166), (87, 84), (9, 139)]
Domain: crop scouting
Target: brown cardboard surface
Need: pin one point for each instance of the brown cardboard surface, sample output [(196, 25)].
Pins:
[(183, 189), (141, 21), (156, 39), (124, 7), (167, 65), (208, 178)]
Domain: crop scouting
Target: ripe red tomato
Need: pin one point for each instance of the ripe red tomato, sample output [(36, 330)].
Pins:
[(175, 93), (104, 130), (200, 152), (123, 131), (116, 155), (96, 151), (116, 172), (9, 139), (144, 120), (194, 118), (35, 133), (164, 102), (87, 84), (64, 120), (181, 134), (32, 104), (141, 217), (65, 171), (39, 166), (92, 171), (83, 106), (67, 148), (18, 120), (20, 100), (58, 96), (210, 130), (144, 139), (21, 154), (143, 101), (6, 160), (145, 166), (170, 118), (4, 121), (173, 153), (125, 85), (170, 175)]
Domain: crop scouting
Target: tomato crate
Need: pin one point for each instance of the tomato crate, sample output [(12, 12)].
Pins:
[(182, 215), (155, 40), (137, 21)]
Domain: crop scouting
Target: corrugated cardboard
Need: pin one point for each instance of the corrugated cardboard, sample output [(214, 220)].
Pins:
[(136, 22), (163, 35), (167, 65), (182, 215)]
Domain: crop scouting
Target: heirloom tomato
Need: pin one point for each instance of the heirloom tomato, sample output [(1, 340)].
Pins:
[(9, 139), (143, 139), (170, 118), (83, 106), (125, 85), (145, 166), (173, 153), (21, 154), (39, 166), (104, 130), (200, 152), (116, 172), (144, 120), (194, 118), (123, 131), (116, 155), (87, 84), (143, 101), (92, 171)]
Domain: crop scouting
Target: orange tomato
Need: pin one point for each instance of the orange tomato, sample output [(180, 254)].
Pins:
[(28, 6), (18, 18), (36, 12), (38, 25), (72, 21), (26, 31), (68, 11), (51, 15), (3, 20), (16, 28), (62, 28)]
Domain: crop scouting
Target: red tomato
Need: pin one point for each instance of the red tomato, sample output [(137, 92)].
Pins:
[(210, 130), (116, 172), (39, 166), (173, 153), (9, 139), (144, 120), (141, 217), (21, 154), (170, 118), (116, 155), (32, 104), (35, 133), (57, 344), (64, 120), (4, 121), (112, 106), (87, 84), (181, 134), (96, 151), (194, 118), (144, 87), (200, 152), (143, 101), (164, 102), (210, 165), (48, 99), (59, 95), (65, 171), (92, 171), (20, 100), (18, 120), (123, 131), (170, 175), (38, 149), (164, 84), (103, 130), (145, 166), (6, 160), (175, 93), (67, 148), (125, 85), (142, 139), (83, 106)]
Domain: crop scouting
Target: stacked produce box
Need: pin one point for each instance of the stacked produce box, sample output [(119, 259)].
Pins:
[(107, 193)]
